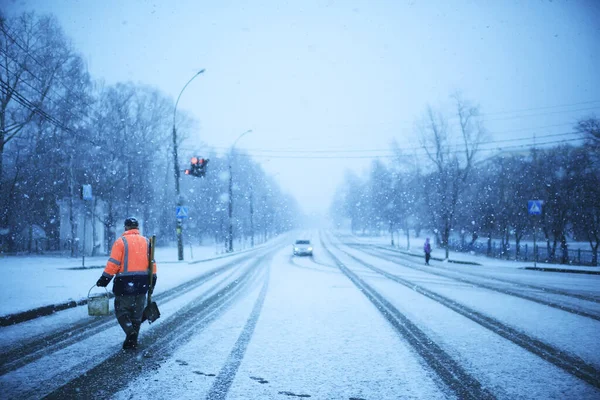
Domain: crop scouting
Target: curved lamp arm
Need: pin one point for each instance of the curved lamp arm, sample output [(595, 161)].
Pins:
[(180, 93)]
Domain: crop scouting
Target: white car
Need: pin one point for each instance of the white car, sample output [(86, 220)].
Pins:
[(303, 248)]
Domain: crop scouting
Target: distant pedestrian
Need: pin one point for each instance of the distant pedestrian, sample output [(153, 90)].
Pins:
[(128, 263), (427, 250)]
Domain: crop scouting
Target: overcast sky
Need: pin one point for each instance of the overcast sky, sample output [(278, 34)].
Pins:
[(336, 79)]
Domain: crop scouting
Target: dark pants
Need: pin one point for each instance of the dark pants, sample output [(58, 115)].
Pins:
[(427, 257), (129, 310)]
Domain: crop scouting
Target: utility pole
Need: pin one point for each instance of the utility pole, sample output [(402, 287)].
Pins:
[(230, 209), (230, 206), (86, 196), (251, 217)]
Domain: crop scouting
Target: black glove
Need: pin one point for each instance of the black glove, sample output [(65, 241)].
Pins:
[(103, 281)]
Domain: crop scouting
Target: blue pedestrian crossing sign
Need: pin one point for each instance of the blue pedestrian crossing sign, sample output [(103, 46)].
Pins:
[(535, 207), (86, 192), (181, 212)]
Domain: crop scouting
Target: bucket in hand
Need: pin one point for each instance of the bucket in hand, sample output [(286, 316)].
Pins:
[(98, 303)]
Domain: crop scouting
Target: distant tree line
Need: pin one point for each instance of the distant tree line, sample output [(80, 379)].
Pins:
[(59, 130), (458, 193)]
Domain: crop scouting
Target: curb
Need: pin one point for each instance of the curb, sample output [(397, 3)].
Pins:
[(83, 268), (572, 271), (17, 318)]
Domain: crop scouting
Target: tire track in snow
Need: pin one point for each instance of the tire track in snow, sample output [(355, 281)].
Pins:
[(32, 350), (329, 269), (225, 378), (568, 363), (158, 343), (452, 374), (484, 285), (578, 296)]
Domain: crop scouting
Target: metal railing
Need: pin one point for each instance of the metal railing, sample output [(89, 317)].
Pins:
[(525, 252)]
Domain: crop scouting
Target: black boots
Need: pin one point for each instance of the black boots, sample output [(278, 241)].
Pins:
[(131, 339)]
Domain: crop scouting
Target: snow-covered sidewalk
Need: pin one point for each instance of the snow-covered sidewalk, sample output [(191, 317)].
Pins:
[(416, 246), (29, 282)]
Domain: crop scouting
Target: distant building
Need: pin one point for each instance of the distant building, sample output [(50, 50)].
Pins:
[(90, 236)]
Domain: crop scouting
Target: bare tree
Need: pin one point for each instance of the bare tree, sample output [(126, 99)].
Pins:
[(452, 158), (407, 192), (590, 130), (43, 84), (35, 57), (131, 125)]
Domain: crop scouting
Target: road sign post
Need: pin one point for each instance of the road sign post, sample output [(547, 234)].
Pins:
[(534, 207), (86, 195), (181, 212)]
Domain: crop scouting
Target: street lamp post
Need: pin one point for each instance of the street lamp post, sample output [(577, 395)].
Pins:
[(177, 175), (251, 216), (230, 233)]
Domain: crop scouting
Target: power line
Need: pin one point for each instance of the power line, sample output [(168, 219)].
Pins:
[(529, 138), (27, 53), (484, 115), (16, 42), (47, 96), (26, 103), (346, 149), (541, 114), (254, 151), (32, 107), (524, 110), (531, 128), (421, 150), (37, 90), (543, 108), (531, 145), (37, 110)]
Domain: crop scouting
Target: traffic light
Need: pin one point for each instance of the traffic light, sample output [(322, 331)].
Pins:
[(197, 167)]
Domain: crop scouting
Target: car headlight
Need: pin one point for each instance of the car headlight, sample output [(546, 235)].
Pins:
[(310, 249), (295, 249)]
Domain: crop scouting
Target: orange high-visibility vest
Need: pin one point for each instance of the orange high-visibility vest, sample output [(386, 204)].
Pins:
[(129, 262)]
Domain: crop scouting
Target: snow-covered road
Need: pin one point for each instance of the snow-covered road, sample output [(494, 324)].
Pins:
[(356, 321)]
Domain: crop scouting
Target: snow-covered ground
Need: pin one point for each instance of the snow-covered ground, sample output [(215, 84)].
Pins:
[(358, 320), (416, 247), (34, 281)]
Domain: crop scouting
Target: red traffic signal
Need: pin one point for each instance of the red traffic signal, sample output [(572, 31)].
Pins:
[(198, 167)]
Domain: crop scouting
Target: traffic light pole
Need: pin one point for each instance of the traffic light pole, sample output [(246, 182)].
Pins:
[(179, 225)]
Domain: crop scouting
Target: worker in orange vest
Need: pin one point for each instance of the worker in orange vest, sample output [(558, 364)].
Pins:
[(128, 263)]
